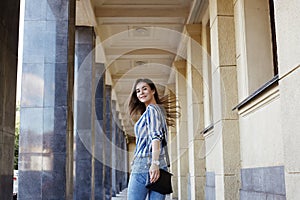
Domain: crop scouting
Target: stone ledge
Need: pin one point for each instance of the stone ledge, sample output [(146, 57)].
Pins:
[(264, 94)]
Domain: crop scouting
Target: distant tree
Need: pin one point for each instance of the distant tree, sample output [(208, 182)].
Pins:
[(17, 133)]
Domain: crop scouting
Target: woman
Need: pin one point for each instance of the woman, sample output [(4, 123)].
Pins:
[(155, 114)]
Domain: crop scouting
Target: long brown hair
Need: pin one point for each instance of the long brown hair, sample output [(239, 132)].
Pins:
[(168, 102)]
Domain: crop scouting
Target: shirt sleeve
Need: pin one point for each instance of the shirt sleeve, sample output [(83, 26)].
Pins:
[(154, 123)]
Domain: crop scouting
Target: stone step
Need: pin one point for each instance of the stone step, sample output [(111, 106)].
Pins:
[(123, 196)]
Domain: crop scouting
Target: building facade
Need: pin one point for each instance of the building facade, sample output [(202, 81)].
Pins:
[(233, 66)]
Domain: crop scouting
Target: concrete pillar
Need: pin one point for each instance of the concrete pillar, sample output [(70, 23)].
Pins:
[(181, 125), (99, 132), (226, 149), (288, 48), (46, 139), (108, 143), (9, 29), (195, 111), (83, 112)]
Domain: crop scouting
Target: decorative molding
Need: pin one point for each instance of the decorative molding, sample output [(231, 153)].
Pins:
[(193, 29), (180, 67), (87, 4), (85, 15), (179, 64), (140, 12), (197, 11)]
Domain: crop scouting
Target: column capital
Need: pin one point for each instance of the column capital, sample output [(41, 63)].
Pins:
[(179, 64), (194, 31)]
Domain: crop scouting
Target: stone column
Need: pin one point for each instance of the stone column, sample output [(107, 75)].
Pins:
[(288, 48), (173, 159), (99, 131), (114, 148), (195, 109), (108, 143), (181, 125), (172, 149), (124, 154), (224, 85), (83, 97), (119, 157), (9, 29), (122, 159), (46, 141)]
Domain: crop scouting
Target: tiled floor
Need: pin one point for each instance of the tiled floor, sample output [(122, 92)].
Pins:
[(123, 194)]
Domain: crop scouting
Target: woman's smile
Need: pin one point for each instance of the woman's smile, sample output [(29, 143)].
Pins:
[(144, 93)]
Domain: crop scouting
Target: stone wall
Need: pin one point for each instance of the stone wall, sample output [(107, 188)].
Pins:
[(288, 44)]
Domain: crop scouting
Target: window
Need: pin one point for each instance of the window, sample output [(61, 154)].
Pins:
[(256, 45), (207, 76)]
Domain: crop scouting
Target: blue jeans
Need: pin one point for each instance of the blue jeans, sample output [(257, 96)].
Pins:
[(137, 189)]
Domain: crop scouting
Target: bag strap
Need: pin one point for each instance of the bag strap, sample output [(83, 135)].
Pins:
[(164, 144)]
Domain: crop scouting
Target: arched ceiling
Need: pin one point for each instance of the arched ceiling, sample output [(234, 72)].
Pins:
[(139, 38)]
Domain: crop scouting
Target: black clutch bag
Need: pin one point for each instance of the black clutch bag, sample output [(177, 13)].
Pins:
[(163, 185)]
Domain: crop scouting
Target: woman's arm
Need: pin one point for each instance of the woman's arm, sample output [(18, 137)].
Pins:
[(155, 150), (154, 168)]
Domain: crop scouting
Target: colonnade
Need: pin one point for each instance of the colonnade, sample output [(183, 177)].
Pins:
[(207, 159)]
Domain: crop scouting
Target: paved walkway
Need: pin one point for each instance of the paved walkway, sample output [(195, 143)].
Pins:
[(123, 194)]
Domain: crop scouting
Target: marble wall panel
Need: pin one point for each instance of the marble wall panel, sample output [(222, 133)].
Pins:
[(265, 182), (210, 186)]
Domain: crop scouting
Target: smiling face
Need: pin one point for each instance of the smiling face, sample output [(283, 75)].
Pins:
[(145, 94)]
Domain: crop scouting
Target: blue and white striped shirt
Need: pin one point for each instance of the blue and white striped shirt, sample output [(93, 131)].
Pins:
[(150, 126)]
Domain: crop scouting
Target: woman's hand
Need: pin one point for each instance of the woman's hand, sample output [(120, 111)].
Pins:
[(154, 173), (154, 168)]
